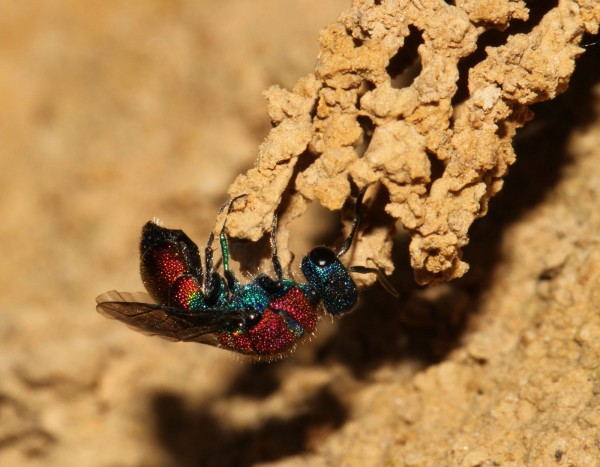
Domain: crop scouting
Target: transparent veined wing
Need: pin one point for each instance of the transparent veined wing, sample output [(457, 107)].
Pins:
[(139, 313)]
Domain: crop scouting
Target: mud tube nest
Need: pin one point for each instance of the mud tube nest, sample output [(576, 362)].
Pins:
[(417, 96)]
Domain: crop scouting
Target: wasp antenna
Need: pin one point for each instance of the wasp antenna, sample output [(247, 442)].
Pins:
[(381, 278), (348, 242)]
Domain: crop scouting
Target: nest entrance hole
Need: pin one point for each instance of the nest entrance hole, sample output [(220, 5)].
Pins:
[(405, 66)]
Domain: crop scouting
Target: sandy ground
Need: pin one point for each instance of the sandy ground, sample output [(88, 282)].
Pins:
[(112, 114)]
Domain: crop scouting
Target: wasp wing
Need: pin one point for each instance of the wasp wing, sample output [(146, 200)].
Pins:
[(176, 324)]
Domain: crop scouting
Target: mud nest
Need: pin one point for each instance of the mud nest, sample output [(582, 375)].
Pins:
[(423, 98)]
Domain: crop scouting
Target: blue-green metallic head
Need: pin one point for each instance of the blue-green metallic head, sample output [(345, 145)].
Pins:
[(330, 279)]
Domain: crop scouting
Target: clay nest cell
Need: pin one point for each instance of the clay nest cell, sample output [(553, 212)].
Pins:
[(420, 98)]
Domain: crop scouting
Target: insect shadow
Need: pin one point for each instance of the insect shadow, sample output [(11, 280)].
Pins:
[(195, 436)]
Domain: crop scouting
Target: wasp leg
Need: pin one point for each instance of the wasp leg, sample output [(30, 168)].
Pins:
[(355, 222), (274, 258), (232, 283), (268, 284)]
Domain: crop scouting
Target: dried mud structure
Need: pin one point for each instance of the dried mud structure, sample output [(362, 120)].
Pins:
[(424, 97)]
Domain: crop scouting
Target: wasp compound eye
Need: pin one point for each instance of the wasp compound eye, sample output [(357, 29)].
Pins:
[(322, 257)]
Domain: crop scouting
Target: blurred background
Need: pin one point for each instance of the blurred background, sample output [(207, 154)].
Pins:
[(113, 113)]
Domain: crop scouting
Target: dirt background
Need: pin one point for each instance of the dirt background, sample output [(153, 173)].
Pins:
[(112, 114)]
